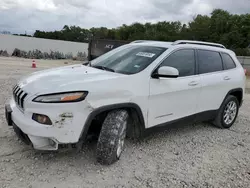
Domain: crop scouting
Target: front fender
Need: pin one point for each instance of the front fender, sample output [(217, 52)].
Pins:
[(106, 108)]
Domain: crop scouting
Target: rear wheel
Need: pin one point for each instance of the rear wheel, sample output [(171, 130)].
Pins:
[(112, 137), (227, 113)]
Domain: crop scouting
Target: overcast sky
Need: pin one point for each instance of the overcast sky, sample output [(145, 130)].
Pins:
[(19, 16)]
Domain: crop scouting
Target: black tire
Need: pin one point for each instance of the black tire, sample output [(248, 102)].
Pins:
[(219, 120), (112, 132)]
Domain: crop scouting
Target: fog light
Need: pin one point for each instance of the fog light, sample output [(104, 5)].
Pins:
[(43, 119), (52, 143)]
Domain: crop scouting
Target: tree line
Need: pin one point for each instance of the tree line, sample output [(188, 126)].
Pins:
[(37, 54), (231, 30)]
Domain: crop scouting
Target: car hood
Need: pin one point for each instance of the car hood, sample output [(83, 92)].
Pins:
[(63, 79)]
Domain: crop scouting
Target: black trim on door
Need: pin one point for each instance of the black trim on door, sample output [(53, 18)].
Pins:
[(196, 62), (223, 66), (196, 118)]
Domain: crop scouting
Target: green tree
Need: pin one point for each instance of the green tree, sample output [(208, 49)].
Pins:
[(222, 27)]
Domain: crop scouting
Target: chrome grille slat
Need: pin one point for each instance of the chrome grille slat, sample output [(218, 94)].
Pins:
[(15, 88), (19, 96), (15, 94), (22, 99), (18, 93)]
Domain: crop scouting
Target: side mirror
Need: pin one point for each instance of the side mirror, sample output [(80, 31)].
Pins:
[(166, 72)]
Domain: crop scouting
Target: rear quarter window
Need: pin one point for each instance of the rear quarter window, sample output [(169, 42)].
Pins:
[(228, 61)]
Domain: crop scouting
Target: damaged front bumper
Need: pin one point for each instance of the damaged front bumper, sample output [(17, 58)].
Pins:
[(21, 135), (68, 122)]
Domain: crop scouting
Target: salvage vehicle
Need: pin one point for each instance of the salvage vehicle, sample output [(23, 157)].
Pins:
[(125, 92)]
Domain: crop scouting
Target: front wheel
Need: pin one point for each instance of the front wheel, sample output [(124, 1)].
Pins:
[(227, 113), (111, 140)]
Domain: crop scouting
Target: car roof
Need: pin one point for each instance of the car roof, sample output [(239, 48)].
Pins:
[(192, 44)]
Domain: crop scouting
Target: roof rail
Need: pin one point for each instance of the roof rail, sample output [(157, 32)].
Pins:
[(198, 43), (138, 41), (141, 41)]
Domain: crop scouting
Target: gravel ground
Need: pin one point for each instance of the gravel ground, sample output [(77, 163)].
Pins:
[(186, 156)]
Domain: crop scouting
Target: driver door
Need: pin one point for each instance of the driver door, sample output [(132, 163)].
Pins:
[(175, 98)]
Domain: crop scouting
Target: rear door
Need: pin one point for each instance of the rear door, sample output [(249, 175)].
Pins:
[(213, 87), (232, 77)]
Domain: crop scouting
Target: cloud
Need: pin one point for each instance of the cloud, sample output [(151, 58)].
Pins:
[(29, 15), (237, 7)]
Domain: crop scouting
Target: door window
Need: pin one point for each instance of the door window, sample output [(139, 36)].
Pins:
[(183, 61), (209, 61)]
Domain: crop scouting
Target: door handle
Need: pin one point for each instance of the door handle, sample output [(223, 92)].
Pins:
[(193, 83), (227, 78)]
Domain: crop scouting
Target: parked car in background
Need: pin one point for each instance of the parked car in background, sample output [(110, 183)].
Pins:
[(98, 47)]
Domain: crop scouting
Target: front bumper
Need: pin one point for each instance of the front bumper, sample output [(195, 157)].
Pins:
[(21, 135), (67, 123)]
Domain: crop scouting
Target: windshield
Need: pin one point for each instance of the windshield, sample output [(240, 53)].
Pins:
[(128, 59)]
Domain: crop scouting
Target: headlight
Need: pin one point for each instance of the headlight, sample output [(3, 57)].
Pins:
[(62, 97)]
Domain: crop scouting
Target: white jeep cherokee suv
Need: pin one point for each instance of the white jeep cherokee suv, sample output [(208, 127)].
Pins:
[(126, 91)]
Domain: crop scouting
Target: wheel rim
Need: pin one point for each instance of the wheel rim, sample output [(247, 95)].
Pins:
[(230, 112), (121, 140)]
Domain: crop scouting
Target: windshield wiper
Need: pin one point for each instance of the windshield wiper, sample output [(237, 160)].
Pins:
[(104, 68)]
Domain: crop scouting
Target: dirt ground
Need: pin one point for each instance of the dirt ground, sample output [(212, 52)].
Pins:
[(197, 155)]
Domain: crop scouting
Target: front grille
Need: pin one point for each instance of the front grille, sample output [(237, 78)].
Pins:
[(19, 96)]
